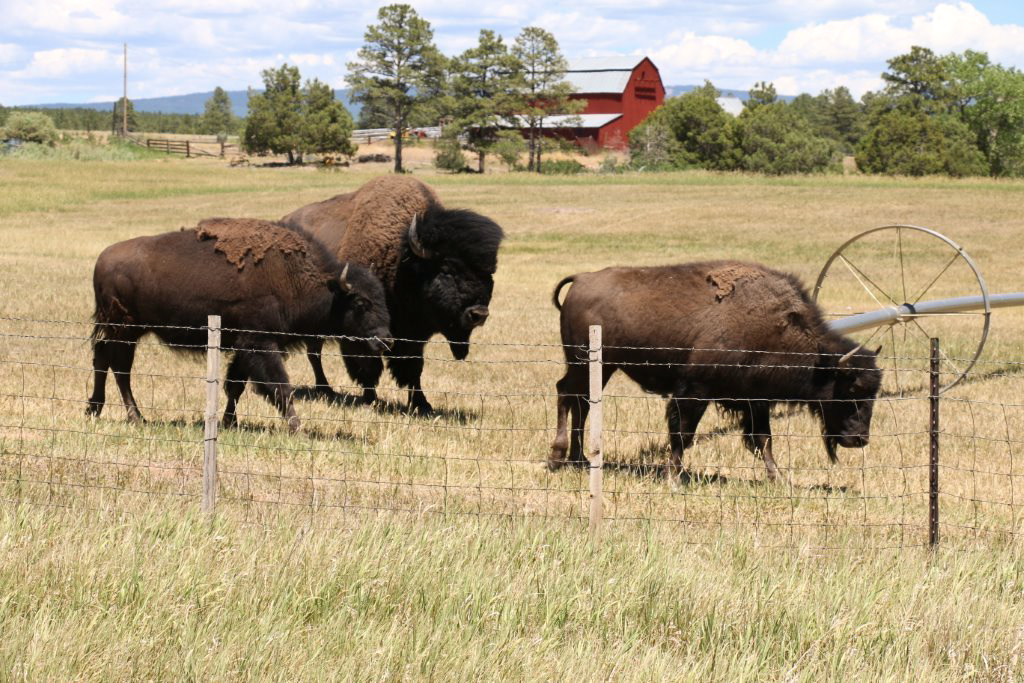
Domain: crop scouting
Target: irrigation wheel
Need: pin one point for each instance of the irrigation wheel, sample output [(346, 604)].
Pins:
[(895, 265)]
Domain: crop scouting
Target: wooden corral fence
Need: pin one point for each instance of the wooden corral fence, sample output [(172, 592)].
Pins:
[(192, 148)]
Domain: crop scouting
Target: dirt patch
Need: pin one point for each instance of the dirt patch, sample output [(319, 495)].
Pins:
[(237, 237)]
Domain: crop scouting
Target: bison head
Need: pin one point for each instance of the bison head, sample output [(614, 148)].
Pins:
[(851, 384), (454, 254), (359, 308)]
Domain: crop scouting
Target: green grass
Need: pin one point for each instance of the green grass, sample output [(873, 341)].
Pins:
[(158, 595), (380, 546)]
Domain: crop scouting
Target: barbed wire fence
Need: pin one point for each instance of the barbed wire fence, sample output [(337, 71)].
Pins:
[(484, 451)]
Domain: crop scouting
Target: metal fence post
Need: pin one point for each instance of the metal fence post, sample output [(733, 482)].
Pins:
[(596, 456), (933, 451), (210, 435)]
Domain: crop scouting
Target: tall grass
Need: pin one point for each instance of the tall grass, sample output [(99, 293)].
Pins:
[(109, 573)]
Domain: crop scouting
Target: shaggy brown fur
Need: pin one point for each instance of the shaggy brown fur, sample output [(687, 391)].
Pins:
[(271, 287), (237, 237), (382, 209), (737, 334), (441, 282)]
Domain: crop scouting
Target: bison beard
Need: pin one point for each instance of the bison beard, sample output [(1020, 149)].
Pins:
[(437, 266), (267, 283), (737, 334)]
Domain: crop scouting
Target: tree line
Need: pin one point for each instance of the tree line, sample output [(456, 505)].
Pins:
[(957, 114)]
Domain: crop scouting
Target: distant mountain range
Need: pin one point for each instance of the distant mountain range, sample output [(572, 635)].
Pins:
[(195, 103)]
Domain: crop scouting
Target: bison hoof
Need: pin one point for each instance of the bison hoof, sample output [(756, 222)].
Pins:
[(93, 409), (369, 396), (423, 409), (294, 424)]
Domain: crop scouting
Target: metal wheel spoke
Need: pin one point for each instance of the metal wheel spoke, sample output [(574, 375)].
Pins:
[(936, 278), (956, 368), (858, 274), (903, 274), (895, 364)]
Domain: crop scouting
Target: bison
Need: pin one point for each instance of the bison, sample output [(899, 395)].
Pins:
[(738, 334), (437, 265), (268, 283)]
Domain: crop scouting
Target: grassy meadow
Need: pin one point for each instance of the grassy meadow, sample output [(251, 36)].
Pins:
[(379, 546)]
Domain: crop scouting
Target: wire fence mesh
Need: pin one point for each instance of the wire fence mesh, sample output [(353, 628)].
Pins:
[(484, 450)]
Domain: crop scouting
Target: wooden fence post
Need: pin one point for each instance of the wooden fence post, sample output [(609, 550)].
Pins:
[(933, 450), (188, 153), (210, 436), (596, 456)]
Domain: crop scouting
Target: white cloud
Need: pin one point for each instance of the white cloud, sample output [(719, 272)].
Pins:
[(65, 62), (10, 53), (947, 28), (850, 52)]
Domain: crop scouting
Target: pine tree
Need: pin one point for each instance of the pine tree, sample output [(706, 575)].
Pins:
[(486, 80), (217, 117), (545, 91), (399, 70)]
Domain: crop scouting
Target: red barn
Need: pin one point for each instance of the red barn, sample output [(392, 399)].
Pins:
[(619, 91)]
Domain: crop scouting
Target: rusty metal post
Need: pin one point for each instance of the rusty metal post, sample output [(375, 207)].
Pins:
[(596, 456), (210, 435), (933, 451)]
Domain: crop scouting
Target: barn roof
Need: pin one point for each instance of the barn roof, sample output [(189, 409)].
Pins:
[(601, 74)]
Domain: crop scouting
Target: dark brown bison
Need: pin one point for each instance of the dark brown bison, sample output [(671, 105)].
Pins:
[(737, 334), (268, 283), (437, 266)]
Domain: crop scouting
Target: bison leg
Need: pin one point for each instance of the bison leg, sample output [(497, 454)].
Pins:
[(234, 385), (363, 367), (314, 348), (757, 433), (572, 400), (270, 380), (122, 356), (406, 365), (683, 414), (100, 365)]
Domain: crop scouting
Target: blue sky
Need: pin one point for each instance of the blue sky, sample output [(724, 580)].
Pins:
[(71, 50)]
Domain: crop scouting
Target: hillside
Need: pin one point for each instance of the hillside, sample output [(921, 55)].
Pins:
[(194, 103)]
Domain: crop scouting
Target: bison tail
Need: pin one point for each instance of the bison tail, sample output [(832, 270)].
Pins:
[(558, 289)]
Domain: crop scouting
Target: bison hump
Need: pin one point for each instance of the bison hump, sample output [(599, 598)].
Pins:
[(236, 237), (723, 279)]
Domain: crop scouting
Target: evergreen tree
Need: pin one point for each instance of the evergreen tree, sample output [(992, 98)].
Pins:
[(399, 70), (275, 115), (772, 138), (485, 82), (327, 125), (544, 91), (702, 130), (117, 121), (217, 117), (905, 139)]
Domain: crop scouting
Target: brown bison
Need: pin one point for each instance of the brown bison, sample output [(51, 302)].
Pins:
[(437, 266), (737, 334), (268, 283)]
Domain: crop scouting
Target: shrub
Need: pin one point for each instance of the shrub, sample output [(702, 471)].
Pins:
[(561, 167), (448, 153), (31, 127), (509, 147)]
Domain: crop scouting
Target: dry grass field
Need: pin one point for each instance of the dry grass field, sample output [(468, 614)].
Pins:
[(380, 546)]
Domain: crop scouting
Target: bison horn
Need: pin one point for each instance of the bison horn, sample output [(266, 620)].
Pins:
[(849, 354), (343, 279), (414, 242)]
